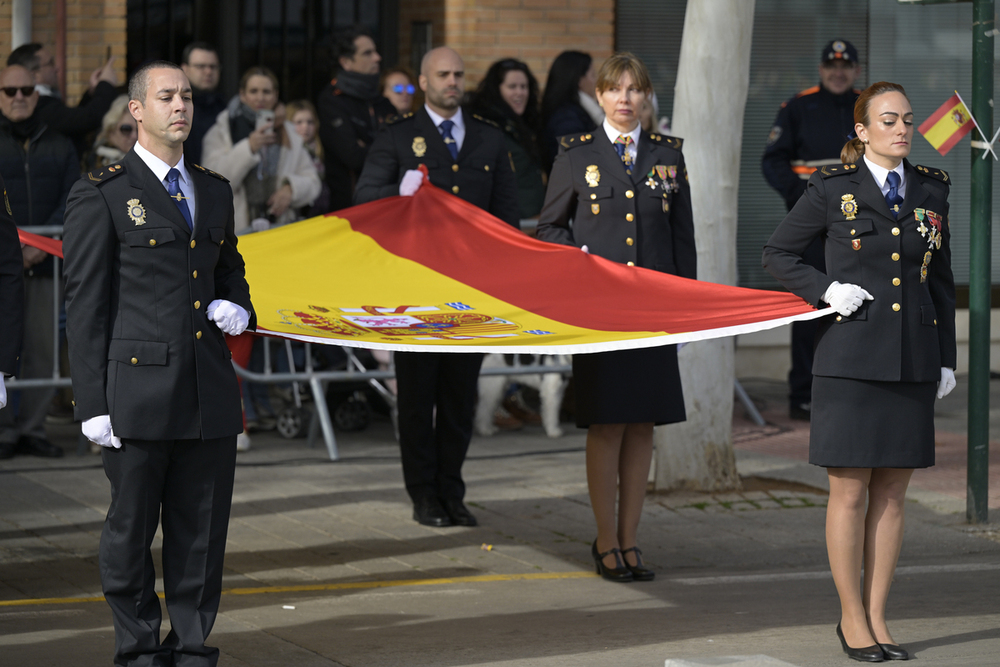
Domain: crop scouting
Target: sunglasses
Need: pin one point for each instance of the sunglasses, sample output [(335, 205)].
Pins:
[(399, 88), (11, 91), (126, 129)]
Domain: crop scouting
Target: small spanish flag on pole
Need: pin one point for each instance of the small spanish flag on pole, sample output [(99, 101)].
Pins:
[(948, 125)]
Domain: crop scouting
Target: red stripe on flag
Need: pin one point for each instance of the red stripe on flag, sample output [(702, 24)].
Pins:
[(956, 137), (939, 114), (51, 246), (469, 245)]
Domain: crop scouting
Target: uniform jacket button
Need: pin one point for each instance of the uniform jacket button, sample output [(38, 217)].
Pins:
[(629, 194), (152, 241), (895, 256), (839, 318), (454, 189), (631, 264), (629, 217), (193, 244), (629, 241), (895, 282), (454, 167), (198, 335), (895, 231), (197, 305), (896, 307), (194, 274), (134, 361)]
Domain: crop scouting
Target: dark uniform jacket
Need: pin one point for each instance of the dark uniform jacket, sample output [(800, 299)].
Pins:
[(907, 333), (809, 132), (345, 120), (11, 291), (138, 282), (641, 220), (482, 175)]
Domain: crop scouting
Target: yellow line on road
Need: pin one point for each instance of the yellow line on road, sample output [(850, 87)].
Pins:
[(353, 585)]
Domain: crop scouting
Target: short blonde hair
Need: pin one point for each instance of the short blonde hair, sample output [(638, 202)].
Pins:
[(614, 67), (111, 119)]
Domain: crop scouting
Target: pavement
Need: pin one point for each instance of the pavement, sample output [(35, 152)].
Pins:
[(325, 566)]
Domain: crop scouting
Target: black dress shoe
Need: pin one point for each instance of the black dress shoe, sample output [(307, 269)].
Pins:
[(639, 571), (459, 513), (894, 652), (429, 512), (7, 449), (29, 444), (867, 654), (619, 573)]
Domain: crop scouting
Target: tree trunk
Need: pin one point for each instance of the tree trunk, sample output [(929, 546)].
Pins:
[(711, 93)]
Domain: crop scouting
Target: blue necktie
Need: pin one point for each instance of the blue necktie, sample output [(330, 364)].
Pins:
[(449, 140), (621, 145), (174, 189), (892, 197)]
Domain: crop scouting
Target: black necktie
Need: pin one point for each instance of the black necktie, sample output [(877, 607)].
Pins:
[(174, 189), (892, 197), (449, 140)]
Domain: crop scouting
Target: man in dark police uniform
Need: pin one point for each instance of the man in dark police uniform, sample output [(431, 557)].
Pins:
[(11, 296), (153, 279), (808, 133), (464, 155)]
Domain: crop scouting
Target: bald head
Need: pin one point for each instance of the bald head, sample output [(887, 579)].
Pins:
[(442, 78)]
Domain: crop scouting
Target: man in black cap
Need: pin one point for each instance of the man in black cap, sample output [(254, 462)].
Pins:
[(350, 111), (808, 133)]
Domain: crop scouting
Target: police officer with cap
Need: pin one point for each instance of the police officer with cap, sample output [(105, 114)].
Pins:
[(808, 133)]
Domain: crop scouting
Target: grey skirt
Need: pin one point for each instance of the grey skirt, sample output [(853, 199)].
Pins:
[(870, 424)]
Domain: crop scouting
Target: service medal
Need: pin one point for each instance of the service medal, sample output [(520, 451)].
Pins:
[(651, 183), (595, 208), (419, 146), (136, 211), (672, 171), (661, 171), (593, 176), (848, 206), (856, 244)]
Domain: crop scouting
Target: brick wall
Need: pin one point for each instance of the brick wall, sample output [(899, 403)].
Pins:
[(534, 31), (91, 26)]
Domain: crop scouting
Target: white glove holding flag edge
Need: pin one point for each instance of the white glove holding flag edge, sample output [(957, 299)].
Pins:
[(845, 298), (947, 382), (3, 393), (98, 430), (232, 318), (412, 180)]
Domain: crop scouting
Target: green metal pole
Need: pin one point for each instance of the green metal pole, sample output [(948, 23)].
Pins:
[(979, 266)]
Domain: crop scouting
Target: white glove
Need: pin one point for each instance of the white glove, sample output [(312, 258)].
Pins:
[(412, 180), (260, 224), (98, 429), (947, 382), (230, 317), (585, 249), (845, 299), (3, 393)]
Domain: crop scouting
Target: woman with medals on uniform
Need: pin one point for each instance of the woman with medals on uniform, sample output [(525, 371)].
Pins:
[(886, 354), (627, 195)]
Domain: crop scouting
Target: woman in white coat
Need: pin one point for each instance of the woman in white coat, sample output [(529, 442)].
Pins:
[(263, 157)]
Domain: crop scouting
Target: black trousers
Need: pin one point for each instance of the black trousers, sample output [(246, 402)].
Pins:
[(804, 339), (189, 485), (433, 447)]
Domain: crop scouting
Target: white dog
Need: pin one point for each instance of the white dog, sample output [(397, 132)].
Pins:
[(551, 388)]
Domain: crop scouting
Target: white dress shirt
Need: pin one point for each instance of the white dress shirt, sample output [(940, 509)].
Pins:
[(881, 175), (613, 134), (457, 132), (160, 168)]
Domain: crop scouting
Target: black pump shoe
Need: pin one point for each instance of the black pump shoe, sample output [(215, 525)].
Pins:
[(639, 571), (894, 652), (867, 654), (620, 573)]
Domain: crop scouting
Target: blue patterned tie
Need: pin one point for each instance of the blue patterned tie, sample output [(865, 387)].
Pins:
[(449, 140), (174, 189), (621, 145), (892, 197)]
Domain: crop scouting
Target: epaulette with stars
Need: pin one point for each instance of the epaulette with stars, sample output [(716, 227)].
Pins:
[(828, 170), (939, 174), (574, 140), (209, 172), (665, 140), (106, 174), (485, 120), (398, 117)]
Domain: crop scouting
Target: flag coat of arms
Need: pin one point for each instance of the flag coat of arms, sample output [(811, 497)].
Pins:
[(948, 125)]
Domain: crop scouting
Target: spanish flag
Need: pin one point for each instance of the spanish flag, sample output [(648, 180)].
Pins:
[(948, 125), (432, 272)]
